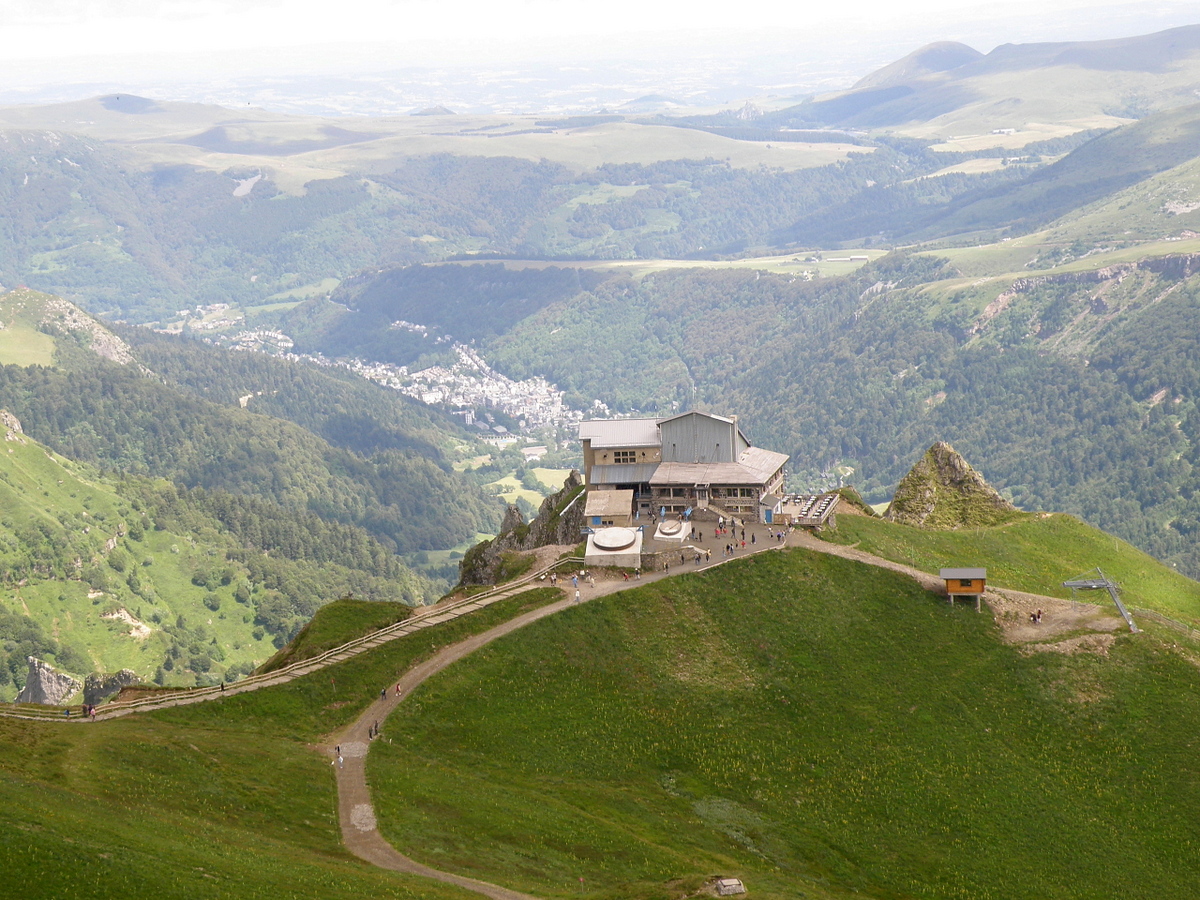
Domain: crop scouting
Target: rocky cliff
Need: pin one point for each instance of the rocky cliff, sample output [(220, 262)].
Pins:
[(98, 687), (943, 491), (45, 685), (558, 521)]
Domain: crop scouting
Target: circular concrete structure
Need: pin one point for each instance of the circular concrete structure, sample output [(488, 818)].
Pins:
[(613, 539), (670, 527)]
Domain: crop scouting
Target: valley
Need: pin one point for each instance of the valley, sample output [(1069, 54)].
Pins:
[(291, 408)]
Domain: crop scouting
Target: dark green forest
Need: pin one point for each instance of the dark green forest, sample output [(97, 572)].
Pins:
[(118, 420)]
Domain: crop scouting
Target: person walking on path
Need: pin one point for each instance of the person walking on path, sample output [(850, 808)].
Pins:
[(576, 595), (383, 694), (575, 581), (637, 573)]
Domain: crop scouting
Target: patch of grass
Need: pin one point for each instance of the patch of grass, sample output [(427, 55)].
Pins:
[(814, 726), (335, 624), (1037, 554), (21, 345), (514, 565)]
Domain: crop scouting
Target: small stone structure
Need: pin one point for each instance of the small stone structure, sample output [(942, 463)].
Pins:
[(727, 887), (47, 686)]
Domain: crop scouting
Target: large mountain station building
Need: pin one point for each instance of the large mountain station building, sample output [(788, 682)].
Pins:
[(690, 461)]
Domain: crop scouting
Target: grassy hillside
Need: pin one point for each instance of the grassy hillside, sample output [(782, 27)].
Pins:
[(333, 625), (816, 727), (225, 799), (100, 575), (1036, 553)]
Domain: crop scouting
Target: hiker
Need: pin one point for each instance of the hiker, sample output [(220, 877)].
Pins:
[(591, 579), (383, 694), (397, 689), (753, 539), (222, 687), (554, 579), (1039, 617), (341, 762), (637, 573), (625, 575), (575, 581), (375, 728), (577, 595)]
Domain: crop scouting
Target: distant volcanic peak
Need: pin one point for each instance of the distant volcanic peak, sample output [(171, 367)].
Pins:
[(129, 103), (943, 491), (433, 111), (941, 56)]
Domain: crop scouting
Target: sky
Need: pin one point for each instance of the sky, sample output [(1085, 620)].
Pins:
[(143, 43)]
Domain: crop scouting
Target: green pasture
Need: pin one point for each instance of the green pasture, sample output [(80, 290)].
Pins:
[(816, 727), (278, 300), (21, 345)]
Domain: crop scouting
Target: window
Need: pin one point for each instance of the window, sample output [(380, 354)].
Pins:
[(965, 582), (624, 456)]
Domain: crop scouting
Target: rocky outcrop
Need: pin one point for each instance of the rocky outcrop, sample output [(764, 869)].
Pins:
[(45, 685), (11, 425), (558, 521), (98, 687), (943, 491)]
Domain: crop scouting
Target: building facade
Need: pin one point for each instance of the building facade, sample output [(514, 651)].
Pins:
[(690, 461)]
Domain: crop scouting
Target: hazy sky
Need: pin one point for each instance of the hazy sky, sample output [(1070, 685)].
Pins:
[(42, 29), (140, 44)]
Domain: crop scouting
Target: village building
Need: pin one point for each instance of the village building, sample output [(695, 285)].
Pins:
[(683, 463)]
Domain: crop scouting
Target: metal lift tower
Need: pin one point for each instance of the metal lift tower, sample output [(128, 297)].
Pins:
[(1102, 582)]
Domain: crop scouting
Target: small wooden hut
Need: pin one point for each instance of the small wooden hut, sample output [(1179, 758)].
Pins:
[(965, 583)]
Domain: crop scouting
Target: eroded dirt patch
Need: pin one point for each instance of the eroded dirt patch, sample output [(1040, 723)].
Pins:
[(1061, 622)]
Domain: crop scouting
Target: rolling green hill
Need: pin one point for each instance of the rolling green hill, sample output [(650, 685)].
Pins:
[(813, 726)]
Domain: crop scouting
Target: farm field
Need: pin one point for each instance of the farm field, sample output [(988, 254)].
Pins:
[(816, 727)]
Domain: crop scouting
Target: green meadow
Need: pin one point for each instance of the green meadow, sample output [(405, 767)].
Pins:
[(1035, 553), (816, 727), (221, 799)]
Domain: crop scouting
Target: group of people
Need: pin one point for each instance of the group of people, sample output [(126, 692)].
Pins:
[(1035, 617)]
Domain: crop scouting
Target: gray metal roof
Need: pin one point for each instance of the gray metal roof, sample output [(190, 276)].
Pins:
[(763, 462), (705, 473), (620, 432), (634, 473), (971, 574)]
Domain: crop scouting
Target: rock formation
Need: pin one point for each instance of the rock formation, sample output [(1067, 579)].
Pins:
[(98, 687), (44, 685), (943, 491), (558, 521), (11, 425)]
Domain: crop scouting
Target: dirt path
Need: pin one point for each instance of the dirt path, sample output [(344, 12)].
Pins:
[(355, 811)]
